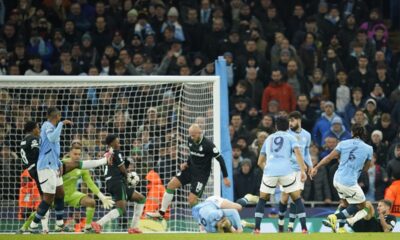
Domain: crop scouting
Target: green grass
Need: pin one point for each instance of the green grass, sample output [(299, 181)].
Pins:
[(271, 236)]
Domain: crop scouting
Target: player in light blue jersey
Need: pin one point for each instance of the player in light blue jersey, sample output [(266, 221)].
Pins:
[(304, 140), (275, 158), (49, 169), (216, 214), (354, 157)]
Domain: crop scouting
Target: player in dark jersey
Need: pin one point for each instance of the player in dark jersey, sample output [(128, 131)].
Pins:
[(30, 150), (117, 186), (195, 171), (383, 222)]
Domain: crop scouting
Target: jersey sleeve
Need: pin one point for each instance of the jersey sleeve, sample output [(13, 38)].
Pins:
[(118, 161), (217, 155), (370, 153), (53, 134), (339, 147), (391, 220), (293, 142), (87, 178)]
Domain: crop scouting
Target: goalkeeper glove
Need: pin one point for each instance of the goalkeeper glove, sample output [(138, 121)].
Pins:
[(107, 201), (108, 155)]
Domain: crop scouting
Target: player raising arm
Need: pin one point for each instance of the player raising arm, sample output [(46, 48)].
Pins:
[(76, 199), (355, 157), (49, 170), (116, 181), (276, 154), (195, 171)]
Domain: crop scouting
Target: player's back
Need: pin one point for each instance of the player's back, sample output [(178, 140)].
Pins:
[(30, 150), (278, 148), (49, 152), (208, 214), (304, 140), (353, 155)]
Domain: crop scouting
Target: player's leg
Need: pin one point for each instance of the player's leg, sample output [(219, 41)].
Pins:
[(363, 211), (48, 184), (282, 211), (342, 206), (139, 200), (292, 209), (59, 206), (268, 185), (292, 184), (224, 203), (90, 205)]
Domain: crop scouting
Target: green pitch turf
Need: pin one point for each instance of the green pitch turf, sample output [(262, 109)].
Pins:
[(199, 236)]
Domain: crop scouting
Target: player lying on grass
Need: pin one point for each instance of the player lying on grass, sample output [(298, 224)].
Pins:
[(383, 221), (216, 214), (354, 157), (195, 171), (74, 170), (116, 181)]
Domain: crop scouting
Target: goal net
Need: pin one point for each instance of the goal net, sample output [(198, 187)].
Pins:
[(151, 116)]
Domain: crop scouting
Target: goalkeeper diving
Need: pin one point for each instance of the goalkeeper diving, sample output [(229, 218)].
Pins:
[(220, 215)]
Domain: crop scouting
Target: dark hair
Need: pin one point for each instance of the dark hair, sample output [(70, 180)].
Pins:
[(282, 123), (110, 138), (387, 202), (357, 89), (358, 131), (29, 126), (295, 115), (52, 111)]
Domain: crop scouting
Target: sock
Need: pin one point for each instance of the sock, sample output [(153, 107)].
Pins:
[(339, 209), (301, 213), (89, 164), (259, 212), (341, 222), (282, 211), (137, 214), (349, 211), (292, 215), (28, 221), (59, 207), (45, 222), (166, 200), (41, 211), (89, 216), (242, 201), (111, 215), (358, 216)]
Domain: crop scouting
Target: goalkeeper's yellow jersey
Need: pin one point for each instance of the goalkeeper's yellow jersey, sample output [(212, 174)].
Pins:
[(71, 179)]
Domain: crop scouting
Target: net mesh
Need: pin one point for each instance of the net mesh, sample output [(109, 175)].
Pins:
[(150, 119)]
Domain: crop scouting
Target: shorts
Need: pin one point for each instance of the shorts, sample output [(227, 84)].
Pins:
[(300, 183), (289, 183), (74, 199), (33, 173), (120, 191), (49, 180), (197, 184), (353, 194), (215, 200)]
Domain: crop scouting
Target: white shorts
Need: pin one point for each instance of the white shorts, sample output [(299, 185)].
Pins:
[(299, 182), (353, 194), (289, 183), (49, 180), (216, 200)]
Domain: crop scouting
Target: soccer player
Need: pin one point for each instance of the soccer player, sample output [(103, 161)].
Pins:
[(49, 169), (216, 214), (355, 157), (195, 171), (77, 199), (304, 140), (117, 186), (275, 158), (382, 222)]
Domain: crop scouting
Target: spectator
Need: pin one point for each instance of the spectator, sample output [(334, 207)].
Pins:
[(383, 103), (383, 79), (258, 142), (237, 157), (337, 130), (356, 103), (82, 22), (280, 91), (214, 39), (272, 23), (330, 24), (254, 87), (237, 123), (172, 21), (247, 180), (342, 93), (371, 111), (332, 65), (36, 66), (330, 144), (393, 194), (387, 128), (246, 152), (347, 33), (323, 124), (295, 78), (380, 148), (318, 88), (296, 21), (308, 115), (310, 54), (361, 76), (193, 31), (252, 118), (393, 166), (377, 180), (374, 22)]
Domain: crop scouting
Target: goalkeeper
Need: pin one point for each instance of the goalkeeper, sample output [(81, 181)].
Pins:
[(116, 181), (77, 199)]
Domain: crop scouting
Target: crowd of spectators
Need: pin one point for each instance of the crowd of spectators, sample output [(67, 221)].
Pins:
[(330, 60)]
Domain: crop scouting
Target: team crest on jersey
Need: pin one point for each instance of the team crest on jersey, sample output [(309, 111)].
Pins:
[(201, 148), (298, 138)]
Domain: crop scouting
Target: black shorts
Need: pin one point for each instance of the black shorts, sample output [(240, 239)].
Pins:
[(34, 175), (197, 181), (119, 190)]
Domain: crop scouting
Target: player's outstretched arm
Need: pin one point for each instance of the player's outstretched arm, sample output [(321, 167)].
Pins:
[(333, 155)]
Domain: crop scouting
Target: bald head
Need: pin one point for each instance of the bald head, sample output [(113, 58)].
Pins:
[(195, 132)]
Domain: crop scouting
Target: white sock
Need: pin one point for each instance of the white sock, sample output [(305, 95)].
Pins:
[(113, 214), (166, 201), (45, 221), (137, 214), (87, 226), (357, 217), (60, 223), (33, 225), (89, 164), (290, 224)]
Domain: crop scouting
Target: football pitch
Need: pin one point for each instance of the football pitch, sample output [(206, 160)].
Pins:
[(200, 236)]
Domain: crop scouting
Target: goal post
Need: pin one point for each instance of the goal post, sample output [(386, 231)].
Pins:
[(151, 115)]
